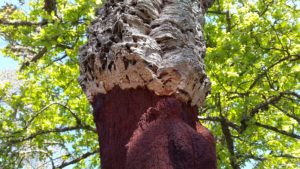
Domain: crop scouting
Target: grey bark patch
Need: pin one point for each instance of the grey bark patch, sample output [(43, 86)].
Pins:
[(157, 45)]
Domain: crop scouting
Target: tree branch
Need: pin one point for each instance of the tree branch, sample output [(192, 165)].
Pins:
[(22, 23), (217, 119), (35, 58), (288, 114), (253, 157), (275, 129), (230, 144), (271, 156), (42, 132), (76, 160), (227, 134), (257, 108), (286, 156), (49, 6), (217, 12), (79, 122), (228, 18), (260, 75)]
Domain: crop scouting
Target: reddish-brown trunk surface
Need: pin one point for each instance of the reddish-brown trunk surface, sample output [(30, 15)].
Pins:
[(140, 130)]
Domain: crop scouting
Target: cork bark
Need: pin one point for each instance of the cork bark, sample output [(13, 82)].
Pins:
[(157, 44), (142, 70)]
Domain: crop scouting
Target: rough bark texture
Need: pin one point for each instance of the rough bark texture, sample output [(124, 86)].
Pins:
[(155, 44), (142, 70)]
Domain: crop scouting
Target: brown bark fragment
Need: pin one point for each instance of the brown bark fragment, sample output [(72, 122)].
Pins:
[(140, 130)]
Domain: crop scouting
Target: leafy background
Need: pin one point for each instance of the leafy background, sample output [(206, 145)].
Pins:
[(252, 60)]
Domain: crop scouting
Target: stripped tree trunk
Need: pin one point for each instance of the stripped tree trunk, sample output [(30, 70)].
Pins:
[(142, 70)]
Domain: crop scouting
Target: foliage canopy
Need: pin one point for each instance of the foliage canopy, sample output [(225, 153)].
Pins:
[(252, 59)]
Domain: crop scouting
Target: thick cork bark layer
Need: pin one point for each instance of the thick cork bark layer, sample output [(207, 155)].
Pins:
[(155, 44)]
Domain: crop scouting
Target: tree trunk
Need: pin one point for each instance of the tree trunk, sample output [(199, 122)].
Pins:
[(142, 70)]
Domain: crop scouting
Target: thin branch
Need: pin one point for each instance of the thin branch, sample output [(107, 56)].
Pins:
[(55, 60), (261, 13), (227, 134), (286, 156), (288, 114), (35, 58), (64, 46), (49, 6), (31, 120), (73, 114), (264, 105), (217, 12), (228, 18), (22, 23), (219, 81), (22, 49), (260, 75), (292, 93), (76, 160), (217, 119), (254, 157), (42, 132), (270, 156), (275, 129), (229, 144), (20, 162), (79, 122), (257, 108)]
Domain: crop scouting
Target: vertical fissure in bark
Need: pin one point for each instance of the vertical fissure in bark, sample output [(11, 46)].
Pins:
[(142, 69)]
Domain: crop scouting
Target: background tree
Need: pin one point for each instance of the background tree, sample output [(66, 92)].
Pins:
[(253, 62), (48, 119), (252, 59)]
